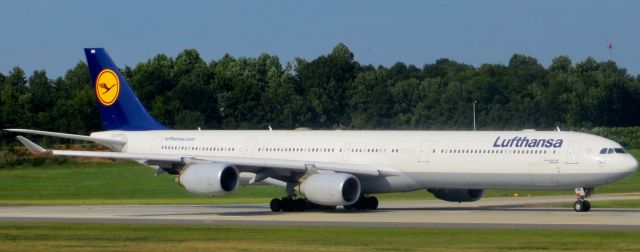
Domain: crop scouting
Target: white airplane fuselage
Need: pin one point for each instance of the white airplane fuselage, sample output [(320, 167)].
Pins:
[(423, 159)]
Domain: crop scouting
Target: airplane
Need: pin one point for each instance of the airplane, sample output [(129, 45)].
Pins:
[(323, 169)]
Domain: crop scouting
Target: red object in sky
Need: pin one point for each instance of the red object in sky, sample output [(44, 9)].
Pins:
[(610, 45)]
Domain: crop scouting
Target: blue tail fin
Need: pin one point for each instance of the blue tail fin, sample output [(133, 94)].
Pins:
[(119, 106)]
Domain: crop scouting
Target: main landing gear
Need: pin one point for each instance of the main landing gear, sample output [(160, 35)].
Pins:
[(364, 203), (582, 204), (291, 204)]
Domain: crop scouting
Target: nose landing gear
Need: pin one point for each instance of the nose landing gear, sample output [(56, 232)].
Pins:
[(582, 204)]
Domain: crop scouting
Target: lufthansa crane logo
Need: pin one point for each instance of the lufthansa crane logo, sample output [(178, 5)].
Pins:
[(107, 87)]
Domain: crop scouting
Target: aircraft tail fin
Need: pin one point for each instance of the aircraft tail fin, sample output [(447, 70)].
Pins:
[(119, 107)]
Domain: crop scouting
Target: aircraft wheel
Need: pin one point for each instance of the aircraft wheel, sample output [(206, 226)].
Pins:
[(300, 204), (372, 203), (587, 205), (577, 206), (287, 204), (361, 203), (276, 205), (581, 206)]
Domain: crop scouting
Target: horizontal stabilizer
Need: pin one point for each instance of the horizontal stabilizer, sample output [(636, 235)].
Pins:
[(106, 141), (31, 145)]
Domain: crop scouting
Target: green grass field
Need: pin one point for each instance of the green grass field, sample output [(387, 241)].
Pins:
[(121, 237), (130, 183)]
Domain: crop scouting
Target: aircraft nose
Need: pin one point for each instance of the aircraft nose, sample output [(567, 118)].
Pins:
[(624, 164), (631, 164)]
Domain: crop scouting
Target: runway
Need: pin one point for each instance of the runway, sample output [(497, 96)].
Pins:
[(535, 212)]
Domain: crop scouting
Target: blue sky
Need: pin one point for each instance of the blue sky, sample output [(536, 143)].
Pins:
[(50, 35)]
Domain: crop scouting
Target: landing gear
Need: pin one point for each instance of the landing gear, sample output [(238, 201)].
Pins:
[(276, 205), (582, 204), (364, 203), (289, 204)]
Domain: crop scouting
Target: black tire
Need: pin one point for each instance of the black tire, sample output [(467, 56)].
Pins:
[(300, 204), (275, 205), (361, 203), (287, 205), (348, 207), (587, 206), (372, 203), (578, 206)]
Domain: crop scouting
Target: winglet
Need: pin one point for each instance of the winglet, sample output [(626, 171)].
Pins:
[(31, 145)]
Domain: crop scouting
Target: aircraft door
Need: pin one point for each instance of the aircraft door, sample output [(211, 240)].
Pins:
[(423, 154), (249, 148), (573, 153), (157, 143), (346, 148)]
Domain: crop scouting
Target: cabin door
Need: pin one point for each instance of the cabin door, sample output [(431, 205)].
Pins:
[(423, 153), (157, 144), (249, 148), (346, 148), (573, 152)]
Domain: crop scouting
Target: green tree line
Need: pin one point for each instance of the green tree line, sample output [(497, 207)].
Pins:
[(335, 91)]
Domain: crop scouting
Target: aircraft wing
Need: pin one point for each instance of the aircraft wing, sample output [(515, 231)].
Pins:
[(244, 164)]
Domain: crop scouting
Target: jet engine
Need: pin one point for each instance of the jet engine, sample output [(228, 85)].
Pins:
[(457, 195), (331, 189), (209, 179)]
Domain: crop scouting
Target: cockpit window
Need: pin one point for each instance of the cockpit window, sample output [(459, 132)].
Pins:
[(612, 150)]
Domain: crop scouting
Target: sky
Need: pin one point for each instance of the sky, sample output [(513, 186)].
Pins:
[(50, 35)]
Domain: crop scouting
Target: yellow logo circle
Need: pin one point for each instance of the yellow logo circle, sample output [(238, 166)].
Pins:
[(107, 87)]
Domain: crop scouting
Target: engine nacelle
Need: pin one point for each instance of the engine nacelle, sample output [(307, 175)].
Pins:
[(331, 189), (209, 179), (457, 195)]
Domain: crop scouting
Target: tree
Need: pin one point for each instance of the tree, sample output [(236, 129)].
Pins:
[(370, 102), (42, 95), (74, 110), (153, 79), (13, 98), (284, 107), (324, 82), (335, 91)]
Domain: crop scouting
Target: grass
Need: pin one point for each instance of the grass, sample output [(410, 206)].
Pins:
[(130, 183), (107, 183), (124, 237)]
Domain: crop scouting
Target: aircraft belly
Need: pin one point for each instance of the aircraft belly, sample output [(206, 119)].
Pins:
[(511, 180)]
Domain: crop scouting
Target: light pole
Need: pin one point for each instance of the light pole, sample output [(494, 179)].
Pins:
[(474, 115)]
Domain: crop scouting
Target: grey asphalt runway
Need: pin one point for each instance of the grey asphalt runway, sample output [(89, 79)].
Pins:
[(534, 212)]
